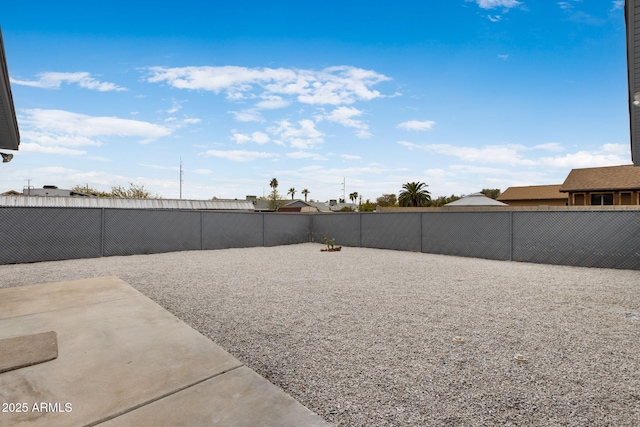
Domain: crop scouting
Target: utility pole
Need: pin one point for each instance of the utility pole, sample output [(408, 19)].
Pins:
[(181, 180), (344, 193), (28, 187)]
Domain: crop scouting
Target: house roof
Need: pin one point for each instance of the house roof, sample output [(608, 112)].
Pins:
[(297, 204), (321, 206), (261, 205), (476, 199), (9, 134), (326, 207), (625, 177), (533, 192)]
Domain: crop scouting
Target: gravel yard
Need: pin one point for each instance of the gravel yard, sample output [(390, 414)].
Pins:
[(367, 337)]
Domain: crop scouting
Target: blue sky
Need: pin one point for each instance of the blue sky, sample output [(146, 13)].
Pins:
[(460, 94)]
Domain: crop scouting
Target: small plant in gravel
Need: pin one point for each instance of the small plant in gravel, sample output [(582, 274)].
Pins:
[(329, 242), (331, 245)]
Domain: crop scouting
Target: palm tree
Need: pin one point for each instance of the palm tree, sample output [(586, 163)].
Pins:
[(274, 196), (414, 194), (292, 191), (353, 196), (305, 192)]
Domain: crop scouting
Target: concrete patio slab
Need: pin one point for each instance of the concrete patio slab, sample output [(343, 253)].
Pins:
[(117, 352), (239, 398), (25, 300)]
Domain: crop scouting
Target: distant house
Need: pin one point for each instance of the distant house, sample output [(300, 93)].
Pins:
[(534, 195), (52, 190), (476, 199), (612, 185), (260, 205), (298, 206), (321, 206)]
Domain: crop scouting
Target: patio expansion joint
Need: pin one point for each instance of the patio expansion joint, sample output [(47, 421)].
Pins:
[(178, 390)]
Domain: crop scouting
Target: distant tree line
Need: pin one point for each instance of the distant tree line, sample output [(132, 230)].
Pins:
[(412, 194), (133, 192), (415, 194)]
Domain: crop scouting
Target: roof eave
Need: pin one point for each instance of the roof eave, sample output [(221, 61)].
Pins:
[(590, 190), (632, 73), (8, 122)]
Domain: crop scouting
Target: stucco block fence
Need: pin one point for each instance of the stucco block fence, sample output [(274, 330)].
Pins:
[(590, 238)]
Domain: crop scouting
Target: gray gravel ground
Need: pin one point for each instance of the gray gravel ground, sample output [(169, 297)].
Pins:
[(365, 337)]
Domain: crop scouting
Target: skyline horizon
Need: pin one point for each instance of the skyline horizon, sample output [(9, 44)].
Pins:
[(463, 96)]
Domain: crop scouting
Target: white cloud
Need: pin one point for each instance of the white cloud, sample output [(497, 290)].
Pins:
[(503, 57), (256, 137), (333, 85), (492, 4), (501, 154), (409, 145), (306, 136), (585, 159), (239, 155), (51, 80), (146, 165), (247, 116), (479, 170), (73, 129), (550, 146), (567, 5), (203, 172), (30, 147), (617, 5), (305, 155), (191, 121), (605, 155), (462, 179), (363, 134), (437, 174), (228, 78), (417, 125), (514, 155), (272, 102), (54, 131), (47, 138), (175, 107), (350, 157), (345, 117), (619, 149)]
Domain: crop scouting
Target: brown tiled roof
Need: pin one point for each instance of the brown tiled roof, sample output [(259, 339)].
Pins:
[(532, 192), (625, 177)]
